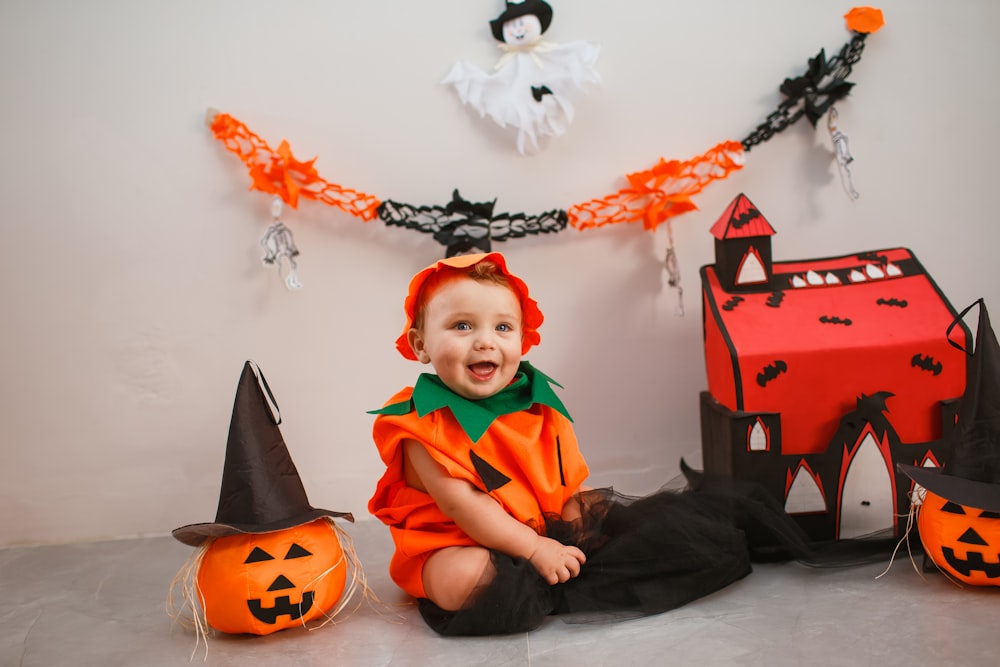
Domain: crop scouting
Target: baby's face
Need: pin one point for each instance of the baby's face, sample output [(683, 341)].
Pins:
[(471, 334), (522, 30)]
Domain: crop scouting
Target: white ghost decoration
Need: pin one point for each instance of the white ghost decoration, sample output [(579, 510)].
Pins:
[(535, 83)]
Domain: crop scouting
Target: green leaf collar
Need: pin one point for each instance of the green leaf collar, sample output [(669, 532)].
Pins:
[(530, 386)]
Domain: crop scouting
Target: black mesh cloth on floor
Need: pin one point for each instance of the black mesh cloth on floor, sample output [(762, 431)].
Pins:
[(647, 555)]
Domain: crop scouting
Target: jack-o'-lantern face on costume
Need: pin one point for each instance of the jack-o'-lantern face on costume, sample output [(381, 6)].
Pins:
[(963, 541), (263, 582)]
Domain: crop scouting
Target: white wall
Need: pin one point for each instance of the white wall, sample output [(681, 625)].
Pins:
[(132, 288)]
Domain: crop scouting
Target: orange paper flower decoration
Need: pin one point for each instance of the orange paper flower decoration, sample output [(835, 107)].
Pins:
[(865, 20), (661, 192), (279, 173)]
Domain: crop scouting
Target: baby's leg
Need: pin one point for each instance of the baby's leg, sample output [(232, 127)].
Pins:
[(508, 595), (451, 574)]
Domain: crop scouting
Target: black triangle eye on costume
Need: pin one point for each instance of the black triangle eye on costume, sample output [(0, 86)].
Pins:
[(258, 555)]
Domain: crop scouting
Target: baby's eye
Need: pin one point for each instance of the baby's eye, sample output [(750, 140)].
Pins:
[(463, 326), (504, 327)]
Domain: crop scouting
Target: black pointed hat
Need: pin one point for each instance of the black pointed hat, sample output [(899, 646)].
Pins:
[(972, 476), (261, 488), (518, 8)]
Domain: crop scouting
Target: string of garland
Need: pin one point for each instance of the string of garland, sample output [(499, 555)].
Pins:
[(462, 226), (652, 196), (813, 93)]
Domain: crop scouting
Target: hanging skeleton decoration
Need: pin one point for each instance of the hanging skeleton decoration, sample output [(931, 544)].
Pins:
[(278, 243), (842, 153)]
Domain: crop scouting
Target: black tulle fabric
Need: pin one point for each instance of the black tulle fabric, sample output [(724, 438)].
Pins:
[(647, 555)]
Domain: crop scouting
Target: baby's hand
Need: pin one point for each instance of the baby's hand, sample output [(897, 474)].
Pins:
[(556, 562)]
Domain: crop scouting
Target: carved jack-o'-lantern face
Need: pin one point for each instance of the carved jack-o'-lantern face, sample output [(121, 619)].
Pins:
[(963, 541), (263, 582)]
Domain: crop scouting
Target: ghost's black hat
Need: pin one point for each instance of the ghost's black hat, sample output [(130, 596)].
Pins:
[(539, 8), (261, 488), (972, 476)]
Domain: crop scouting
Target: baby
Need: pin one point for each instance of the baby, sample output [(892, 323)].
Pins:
[(483, 490)]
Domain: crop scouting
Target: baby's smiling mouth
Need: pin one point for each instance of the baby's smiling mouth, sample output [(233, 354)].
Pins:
[(482, 369)]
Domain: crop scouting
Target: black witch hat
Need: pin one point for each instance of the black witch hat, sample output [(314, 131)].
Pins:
[(517, 9), (261, 489), (972, 476)]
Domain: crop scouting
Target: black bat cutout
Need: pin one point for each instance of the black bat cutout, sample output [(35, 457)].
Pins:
[(830, 319), (771, 371), (774, 301), (899, 303), (927, 363), (732, 303), (746, 218)]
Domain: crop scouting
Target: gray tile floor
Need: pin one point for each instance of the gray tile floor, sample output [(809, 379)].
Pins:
[(104, 604)]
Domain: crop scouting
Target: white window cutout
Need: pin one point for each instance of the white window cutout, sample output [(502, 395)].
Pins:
[(758, 440), (751, 271), (866, 502), (874, 272), (804, 495)]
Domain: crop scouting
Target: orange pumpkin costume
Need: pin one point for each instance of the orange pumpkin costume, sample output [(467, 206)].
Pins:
[(518, 445), (526, 459)]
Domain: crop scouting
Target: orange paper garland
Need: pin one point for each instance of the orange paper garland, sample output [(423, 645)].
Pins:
[(653, 196), (277, 172), (661, 192)]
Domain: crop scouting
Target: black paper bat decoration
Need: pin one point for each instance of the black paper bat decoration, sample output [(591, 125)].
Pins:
[(821, 86), (812, 94), (732, 303), (898, 303), (463, 226), (927, 363), (867, 409), (829, 319), (746, 218), (771, 371), (774, 301)]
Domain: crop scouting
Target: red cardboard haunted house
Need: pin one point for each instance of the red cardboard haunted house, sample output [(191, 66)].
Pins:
[(823, 374)]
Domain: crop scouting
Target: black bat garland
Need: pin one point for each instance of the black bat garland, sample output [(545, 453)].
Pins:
[(812, 94), (462, 226)]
